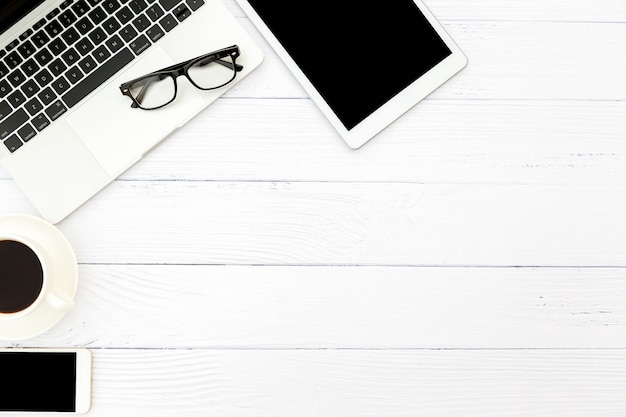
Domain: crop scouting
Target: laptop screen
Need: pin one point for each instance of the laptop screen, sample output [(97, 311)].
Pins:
[(12, 11)]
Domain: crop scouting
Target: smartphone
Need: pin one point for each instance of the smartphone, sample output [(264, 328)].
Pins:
[(45, 380)]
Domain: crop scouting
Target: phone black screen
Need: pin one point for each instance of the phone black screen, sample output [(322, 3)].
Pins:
[(357, 54), (38, 381)]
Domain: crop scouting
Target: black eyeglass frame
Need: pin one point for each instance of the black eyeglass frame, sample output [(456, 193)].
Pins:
[(182, 68)]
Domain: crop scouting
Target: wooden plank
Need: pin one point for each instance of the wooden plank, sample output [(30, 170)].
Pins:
[(232, 307), (437, 142), (533, 10), (549, 383), (351, 223)]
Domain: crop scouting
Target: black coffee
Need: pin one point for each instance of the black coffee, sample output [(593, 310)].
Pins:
[(21, 276)]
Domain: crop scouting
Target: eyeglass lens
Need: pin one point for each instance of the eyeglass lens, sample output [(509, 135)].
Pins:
[(154, 91), (206, 73)]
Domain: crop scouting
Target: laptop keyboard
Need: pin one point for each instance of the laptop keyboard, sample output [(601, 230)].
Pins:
[(78, 46)]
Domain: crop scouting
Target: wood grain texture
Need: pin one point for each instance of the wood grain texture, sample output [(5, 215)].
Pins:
[(469, 261), (363, 383), (295, 307), (439, 141), (352, 223)]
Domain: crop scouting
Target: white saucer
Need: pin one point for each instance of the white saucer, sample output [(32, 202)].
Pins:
[(63, 263)]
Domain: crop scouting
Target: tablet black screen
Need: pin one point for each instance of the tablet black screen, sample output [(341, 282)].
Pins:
[(357, 54)]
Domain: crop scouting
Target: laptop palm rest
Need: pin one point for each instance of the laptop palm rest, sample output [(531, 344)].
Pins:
[(106, 121)]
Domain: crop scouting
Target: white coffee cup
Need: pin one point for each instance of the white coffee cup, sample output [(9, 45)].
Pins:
[(27, 279)]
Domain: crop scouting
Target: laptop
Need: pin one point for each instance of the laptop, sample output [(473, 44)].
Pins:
[(66, 130)]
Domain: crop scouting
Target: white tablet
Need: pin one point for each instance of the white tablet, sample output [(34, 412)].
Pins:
[(364, 63)]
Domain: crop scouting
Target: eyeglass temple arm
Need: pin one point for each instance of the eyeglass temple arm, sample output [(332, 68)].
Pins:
[(220, 61)]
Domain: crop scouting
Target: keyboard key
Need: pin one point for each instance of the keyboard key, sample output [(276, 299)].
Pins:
[(110, 5), (40, 122), (141, 23), (80, 8), (43, 57), (155, 33), (53, 28), (26, 133), (111, 25), (124, 15), (39, 24), (3, 70), (98, 77), (30, 67), (140, 44), (57, 67), (169, 22), (74, 75), (16, 98), (128, 33), (26, 34), (70, 36), (60, 85), (5, 88), (70, 56), (12, 45), (55, 110), (84, 46), (101, 54), (97, 15), (53, 13), (195, 4), (97, 36), (181, 12), (5, 109), (13, 60), (84, 25), (87, 64), (16, 78), (34, 106), (114, 44), (57, 46), (67, 18), (47, 95), (169, 4), (155, 12), (13, 143), (11, 123), (26, 49), (43, 77), (137, 6), (30, 88), (40, 38)]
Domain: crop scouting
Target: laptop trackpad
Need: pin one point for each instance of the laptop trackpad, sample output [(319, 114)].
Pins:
[(118, 135)]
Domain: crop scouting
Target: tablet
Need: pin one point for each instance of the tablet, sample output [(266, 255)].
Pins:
[(364, 63)]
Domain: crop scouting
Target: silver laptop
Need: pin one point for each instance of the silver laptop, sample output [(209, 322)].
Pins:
[(66, 129)]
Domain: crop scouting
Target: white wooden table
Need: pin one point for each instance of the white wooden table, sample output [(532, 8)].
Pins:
[(469, 261)]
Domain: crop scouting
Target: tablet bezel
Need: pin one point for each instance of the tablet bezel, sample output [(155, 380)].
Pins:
[(392, 109)]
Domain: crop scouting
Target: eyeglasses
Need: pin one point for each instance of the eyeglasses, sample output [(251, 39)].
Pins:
[(206, 72)]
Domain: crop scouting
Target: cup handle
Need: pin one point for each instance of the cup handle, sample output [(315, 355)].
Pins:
[(60, 303)]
